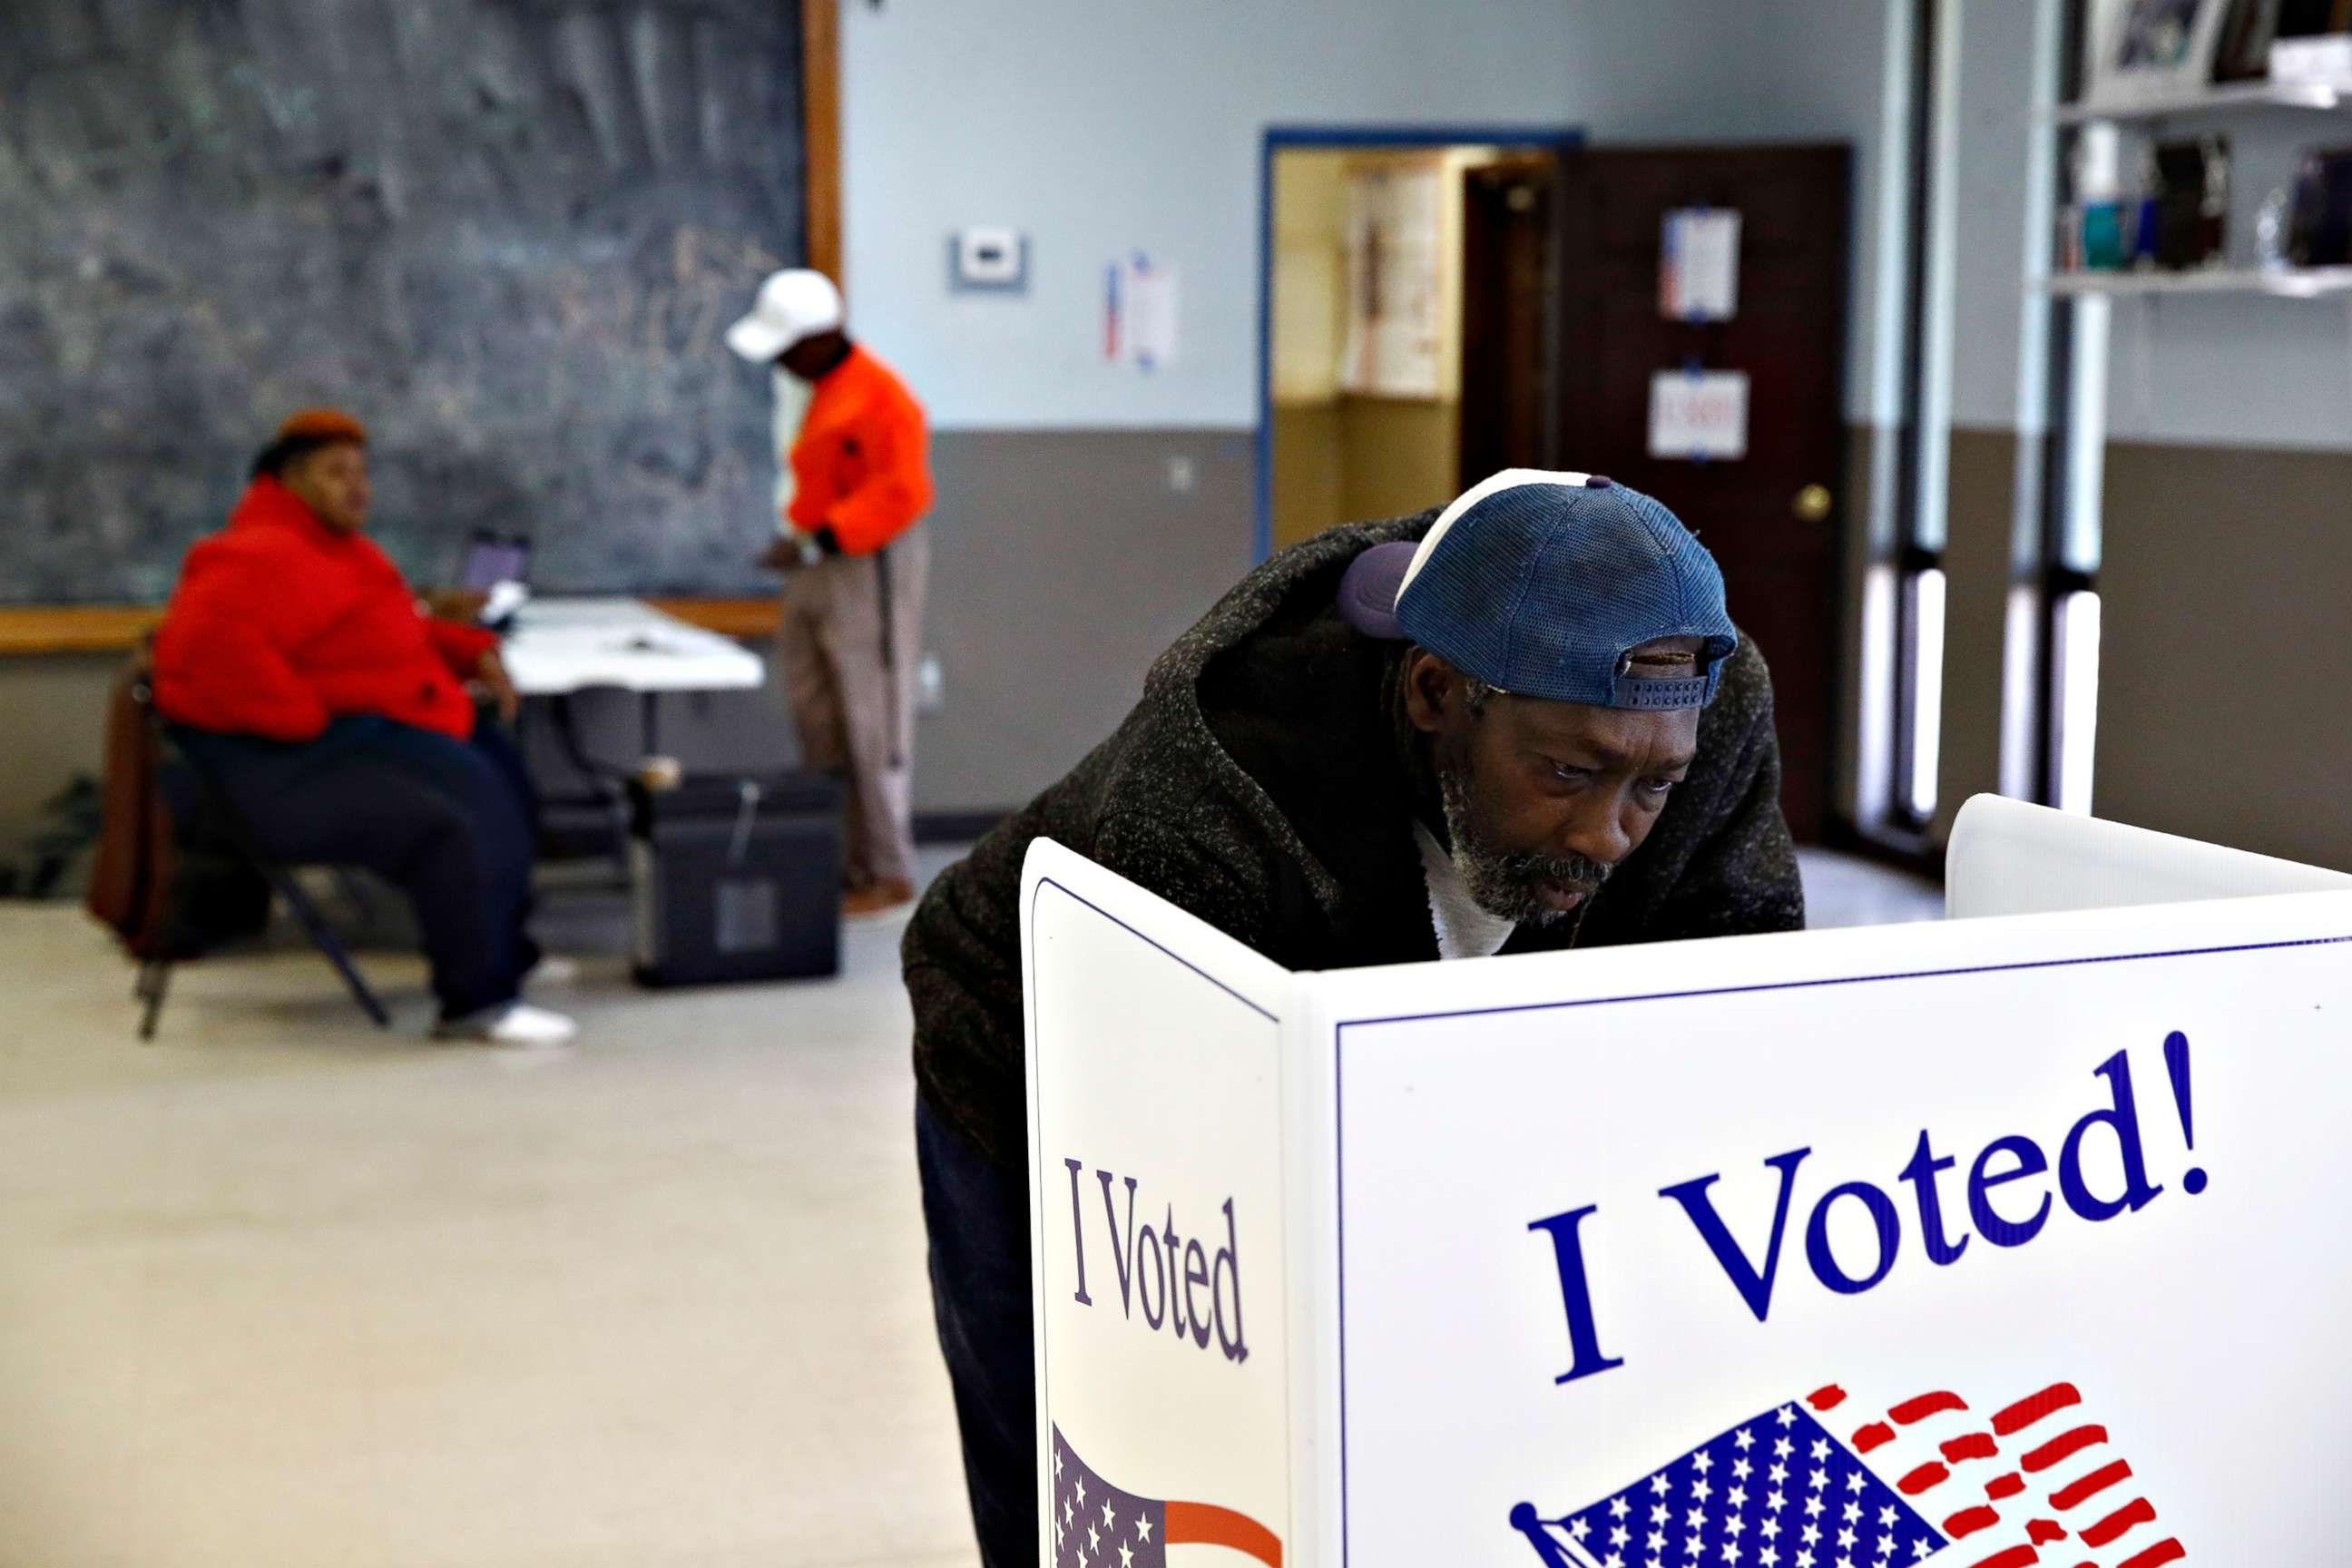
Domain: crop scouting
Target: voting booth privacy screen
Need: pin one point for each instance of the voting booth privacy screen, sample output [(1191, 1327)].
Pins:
[(1992, 1242)]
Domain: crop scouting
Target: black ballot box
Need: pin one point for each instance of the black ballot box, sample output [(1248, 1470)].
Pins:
[(736, 878)]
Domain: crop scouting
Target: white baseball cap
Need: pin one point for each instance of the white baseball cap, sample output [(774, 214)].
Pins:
[(793, 305)]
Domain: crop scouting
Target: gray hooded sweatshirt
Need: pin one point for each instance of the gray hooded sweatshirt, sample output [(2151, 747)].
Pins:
[(1268, 784)]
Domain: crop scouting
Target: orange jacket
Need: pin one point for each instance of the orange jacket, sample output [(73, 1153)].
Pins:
[(281, 623), (861, 465)]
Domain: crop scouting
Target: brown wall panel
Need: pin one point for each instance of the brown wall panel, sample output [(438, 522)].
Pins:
[(2225, 666), (1063, 563), (1066, 560), (1980, 519)]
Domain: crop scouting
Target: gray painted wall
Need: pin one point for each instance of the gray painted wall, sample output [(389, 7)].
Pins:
[(52, 719), (1063, 563)]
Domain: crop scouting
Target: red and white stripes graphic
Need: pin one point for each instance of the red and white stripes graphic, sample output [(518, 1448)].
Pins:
[(2032, 1483)]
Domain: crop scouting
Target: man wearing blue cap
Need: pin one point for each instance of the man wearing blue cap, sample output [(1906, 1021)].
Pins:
[(1522, 723)]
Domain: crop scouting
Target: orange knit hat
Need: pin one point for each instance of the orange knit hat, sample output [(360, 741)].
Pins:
[(321, 425)]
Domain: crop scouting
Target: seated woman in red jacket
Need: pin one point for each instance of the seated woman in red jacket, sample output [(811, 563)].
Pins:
[(294, 664)]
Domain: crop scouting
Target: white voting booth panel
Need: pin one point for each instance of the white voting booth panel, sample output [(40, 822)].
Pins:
[(2002, 1241), (2008, 857)]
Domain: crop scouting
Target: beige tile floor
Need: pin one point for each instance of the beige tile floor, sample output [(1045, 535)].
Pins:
[(280, 1290), (283, 1290)]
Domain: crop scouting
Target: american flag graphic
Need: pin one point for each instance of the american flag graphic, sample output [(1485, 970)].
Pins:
[(2033, 1483), (1095, 1525)]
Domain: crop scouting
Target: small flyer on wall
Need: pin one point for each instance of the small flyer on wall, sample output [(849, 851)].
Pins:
[(1698, 265), (1698, 413), (1396, 281), (1140, 312)]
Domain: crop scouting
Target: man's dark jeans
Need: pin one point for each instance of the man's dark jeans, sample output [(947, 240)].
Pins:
[(978, 1216), (453, 824)]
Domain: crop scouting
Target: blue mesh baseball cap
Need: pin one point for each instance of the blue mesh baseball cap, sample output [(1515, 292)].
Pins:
[(1543, 583)]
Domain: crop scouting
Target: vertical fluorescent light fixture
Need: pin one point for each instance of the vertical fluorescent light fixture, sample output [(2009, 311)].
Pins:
[(1881, 675), (2074, 662), (2021, 694), (1924, 667), (2024, 695)]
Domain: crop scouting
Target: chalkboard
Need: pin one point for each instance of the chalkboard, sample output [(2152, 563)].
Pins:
[(506, 234)]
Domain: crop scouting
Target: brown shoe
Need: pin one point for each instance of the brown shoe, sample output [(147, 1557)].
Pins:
[(877, 900)]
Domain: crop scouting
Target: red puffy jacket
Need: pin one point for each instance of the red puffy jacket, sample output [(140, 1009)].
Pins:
[(281, 623)]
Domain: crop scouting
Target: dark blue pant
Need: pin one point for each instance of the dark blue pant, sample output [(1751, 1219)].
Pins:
[(453, 824), (978, 1216)]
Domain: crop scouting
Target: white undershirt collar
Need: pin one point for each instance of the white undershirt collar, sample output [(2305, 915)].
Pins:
[(1464, 929)]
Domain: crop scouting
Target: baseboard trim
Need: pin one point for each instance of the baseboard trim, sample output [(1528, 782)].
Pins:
[(956, 826)]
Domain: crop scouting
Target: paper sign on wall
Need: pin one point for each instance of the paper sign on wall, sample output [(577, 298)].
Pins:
[(1396, 293), (1698, 265), (1698, 413), (1139, 312)]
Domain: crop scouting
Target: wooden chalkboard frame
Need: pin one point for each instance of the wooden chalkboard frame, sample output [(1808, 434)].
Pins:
[(32, 630), (49, 630)]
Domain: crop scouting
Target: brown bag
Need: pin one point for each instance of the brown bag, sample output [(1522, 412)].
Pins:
[(131, 882)]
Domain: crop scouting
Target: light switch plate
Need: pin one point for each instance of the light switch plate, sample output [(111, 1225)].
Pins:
[(989, 259)]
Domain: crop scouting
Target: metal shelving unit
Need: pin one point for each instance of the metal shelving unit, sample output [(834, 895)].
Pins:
[(2230, 99), (2081, 317), (2282, 283)]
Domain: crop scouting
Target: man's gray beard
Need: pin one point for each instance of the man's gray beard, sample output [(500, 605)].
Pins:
[(1509, 884)]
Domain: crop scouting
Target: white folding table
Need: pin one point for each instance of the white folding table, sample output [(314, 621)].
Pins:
[(556, 647)]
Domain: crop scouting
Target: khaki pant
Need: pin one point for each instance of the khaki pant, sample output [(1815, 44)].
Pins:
[(853, 698)]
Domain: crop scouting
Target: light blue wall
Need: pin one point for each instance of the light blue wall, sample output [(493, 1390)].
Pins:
[(1101, 126), (1818, 70), (2232, 373)]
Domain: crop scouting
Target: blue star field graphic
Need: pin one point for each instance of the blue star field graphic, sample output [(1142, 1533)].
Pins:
[(1775, 1492), (1095, 1525)]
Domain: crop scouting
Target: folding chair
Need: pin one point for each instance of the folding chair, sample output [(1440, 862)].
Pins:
[(215, 819)]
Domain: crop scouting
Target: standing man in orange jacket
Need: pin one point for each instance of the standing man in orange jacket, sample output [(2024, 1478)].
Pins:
[(855, 480)]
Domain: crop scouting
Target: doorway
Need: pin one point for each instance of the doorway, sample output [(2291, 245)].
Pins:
[(1438, 307), (1367, 309)]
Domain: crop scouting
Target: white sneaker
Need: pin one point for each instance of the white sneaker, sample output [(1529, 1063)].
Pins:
[(553, 968), (516, 1023)]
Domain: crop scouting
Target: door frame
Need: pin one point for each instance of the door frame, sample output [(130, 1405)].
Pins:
[(1282, 137)]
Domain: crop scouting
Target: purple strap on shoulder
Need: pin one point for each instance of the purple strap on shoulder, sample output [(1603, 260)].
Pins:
[(1368, 593)]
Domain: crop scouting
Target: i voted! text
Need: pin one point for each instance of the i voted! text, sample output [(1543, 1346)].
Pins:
[(2005, 1199), (1166, 1279)]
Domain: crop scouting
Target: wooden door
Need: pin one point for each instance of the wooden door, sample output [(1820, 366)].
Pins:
[(1772, 517), (1510, 409)]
